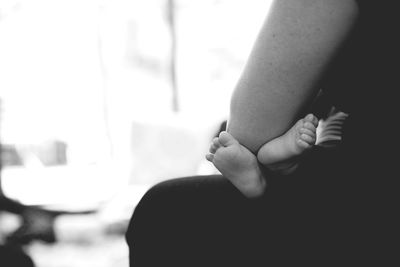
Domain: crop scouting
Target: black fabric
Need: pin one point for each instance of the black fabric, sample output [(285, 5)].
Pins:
[(206, 221), (14, 257), (363, 81)]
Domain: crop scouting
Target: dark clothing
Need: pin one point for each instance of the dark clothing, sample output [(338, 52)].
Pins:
[(206, 221), (363, 82), (202, 221), (14, 257), (338, 209)]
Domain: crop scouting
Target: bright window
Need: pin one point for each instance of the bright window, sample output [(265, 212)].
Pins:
[(88, 94)]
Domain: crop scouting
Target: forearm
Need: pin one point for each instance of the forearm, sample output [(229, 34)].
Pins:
[(293, 49)]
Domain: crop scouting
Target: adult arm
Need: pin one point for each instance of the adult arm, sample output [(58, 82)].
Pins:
[(295, 46)]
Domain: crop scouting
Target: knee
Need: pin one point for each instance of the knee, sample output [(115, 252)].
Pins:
[(157, 196), (167, 201), (149, 209)]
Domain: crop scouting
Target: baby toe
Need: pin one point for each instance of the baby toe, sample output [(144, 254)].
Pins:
[(307, 132), (312, 119), (210, 157), (226, 139), (309, 117), (307, 138), (308, 125), (216, 142), (303, 144), (214, 145), (213, 149)]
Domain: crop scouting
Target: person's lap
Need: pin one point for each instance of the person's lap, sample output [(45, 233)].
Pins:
[(185, 221), (205, 221)]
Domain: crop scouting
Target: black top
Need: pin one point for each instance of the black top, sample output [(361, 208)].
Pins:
[(362, 82), (363, 184)]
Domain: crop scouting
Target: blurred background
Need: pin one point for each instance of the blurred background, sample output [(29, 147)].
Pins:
[(102, 99)]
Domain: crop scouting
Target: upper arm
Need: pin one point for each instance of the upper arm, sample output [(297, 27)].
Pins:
[(294, 47)]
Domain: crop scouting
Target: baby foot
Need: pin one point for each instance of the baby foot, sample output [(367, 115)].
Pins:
[(280, 154), (237, 164)]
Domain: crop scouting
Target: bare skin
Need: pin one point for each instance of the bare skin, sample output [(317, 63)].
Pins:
[(240, 166), (295, 47), (280, 154), (293, 51)]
